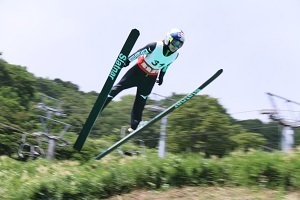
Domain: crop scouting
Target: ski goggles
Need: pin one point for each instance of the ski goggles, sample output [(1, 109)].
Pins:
[(177, 43)]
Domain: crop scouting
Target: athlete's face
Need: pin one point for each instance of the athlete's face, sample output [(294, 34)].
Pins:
[(175, 45)]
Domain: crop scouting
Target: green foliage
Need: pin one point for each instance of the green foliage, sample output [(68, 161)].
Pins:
[(203, 125), (297, 136), (41, 179), (19, 80), (270, 130), (247, 141), (9, 143), (200, 127), (293, 169), (264, 169)]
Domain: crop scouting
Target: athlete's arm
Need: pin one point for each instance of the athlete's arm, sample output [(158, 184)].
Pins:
[(143, 51)]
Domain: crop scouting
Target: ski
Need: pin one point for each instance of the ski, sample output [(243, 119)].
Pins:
[(97, 108), (161, 115)]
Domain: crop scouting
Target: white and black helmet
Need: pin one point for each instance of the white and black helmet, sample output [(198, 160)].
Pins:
[(176, 37)]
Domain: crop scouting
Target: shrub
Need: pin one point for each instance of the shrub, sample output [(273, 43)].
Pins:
[(40, 179)]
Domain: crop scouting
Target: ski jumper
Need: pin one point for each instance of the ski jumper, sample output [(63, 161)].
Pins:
[(153, 61)]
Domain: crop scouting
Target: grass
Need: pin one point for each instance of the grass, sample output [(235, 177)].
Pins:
[(209, 193), (251, 175)]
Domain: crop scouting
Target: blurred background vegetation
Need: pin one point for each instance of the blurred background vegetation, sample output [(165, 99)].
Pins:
[(196, 133)]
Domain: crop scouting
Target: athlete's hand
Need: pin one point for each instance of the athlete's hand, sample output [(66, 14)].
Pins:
[(160, 77), (160, 81), (126, 63)]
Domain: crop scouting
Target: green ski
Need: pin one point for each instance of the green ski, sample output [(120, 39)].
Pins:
[(159, 116), (97, 108)]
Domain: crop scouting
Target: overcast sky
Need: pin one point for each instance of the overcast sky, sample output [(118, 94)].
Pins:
[(256, 42)]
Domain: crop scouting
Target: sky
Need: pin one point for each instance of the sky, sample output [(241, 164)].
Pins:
[(255, 42)]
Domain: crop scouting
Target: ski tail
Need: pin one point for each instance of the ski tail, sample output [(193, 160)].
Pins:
[(98, 106), (161, 115)]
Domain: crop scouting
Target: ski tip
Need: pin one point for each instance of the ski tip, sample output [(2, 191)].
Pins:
[(220, 71), (135, 31)]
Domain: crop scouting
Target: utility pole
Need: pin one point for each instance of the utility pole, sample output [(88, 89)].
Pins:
[(162, 138), (163, 126)]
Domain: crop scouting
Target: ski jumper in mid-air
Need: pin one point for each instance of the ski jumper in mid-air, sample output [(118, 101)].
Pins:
[(153, 61)]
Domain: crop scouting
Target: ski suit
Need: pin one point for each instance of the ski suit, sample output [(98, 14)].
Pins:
[(153, 61)]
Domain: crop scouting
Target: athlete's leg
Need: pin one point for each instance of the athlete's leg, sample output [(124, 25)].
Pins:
[(143, 90), (137, 110), (129, 80)]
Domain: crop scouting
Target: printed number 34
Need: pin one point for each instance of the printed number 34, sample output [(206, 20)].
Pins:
[(156, 62)]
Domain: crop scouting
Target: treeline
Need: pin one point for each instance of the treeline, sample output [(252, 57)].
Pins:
[(202, 125)]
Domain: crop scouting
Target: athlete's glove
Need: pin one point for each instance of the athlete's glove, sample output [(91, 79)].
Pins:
[(160, 80), (160, 77), (126, 63)]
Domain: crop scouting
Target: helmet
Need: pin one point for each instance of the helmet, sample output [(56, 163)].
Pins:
[(173, 35)]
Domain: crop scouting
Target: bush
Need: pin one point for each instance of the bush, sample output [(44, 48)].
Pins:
[(258, 168), (293, 170), (40, 179)]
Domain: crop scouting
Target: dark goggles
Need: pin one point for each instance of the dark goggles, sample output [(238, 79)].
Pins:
[(177, 43)]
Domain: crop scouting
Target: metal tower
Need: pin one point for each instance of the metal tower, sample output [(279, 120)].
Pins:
[(50, 127), (286, 112)]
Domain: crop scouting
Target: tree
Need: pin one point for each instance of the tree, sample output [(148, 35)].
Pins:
[(297, 136), (248, 140), (19, 80), (269, 130), (202, 125)]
